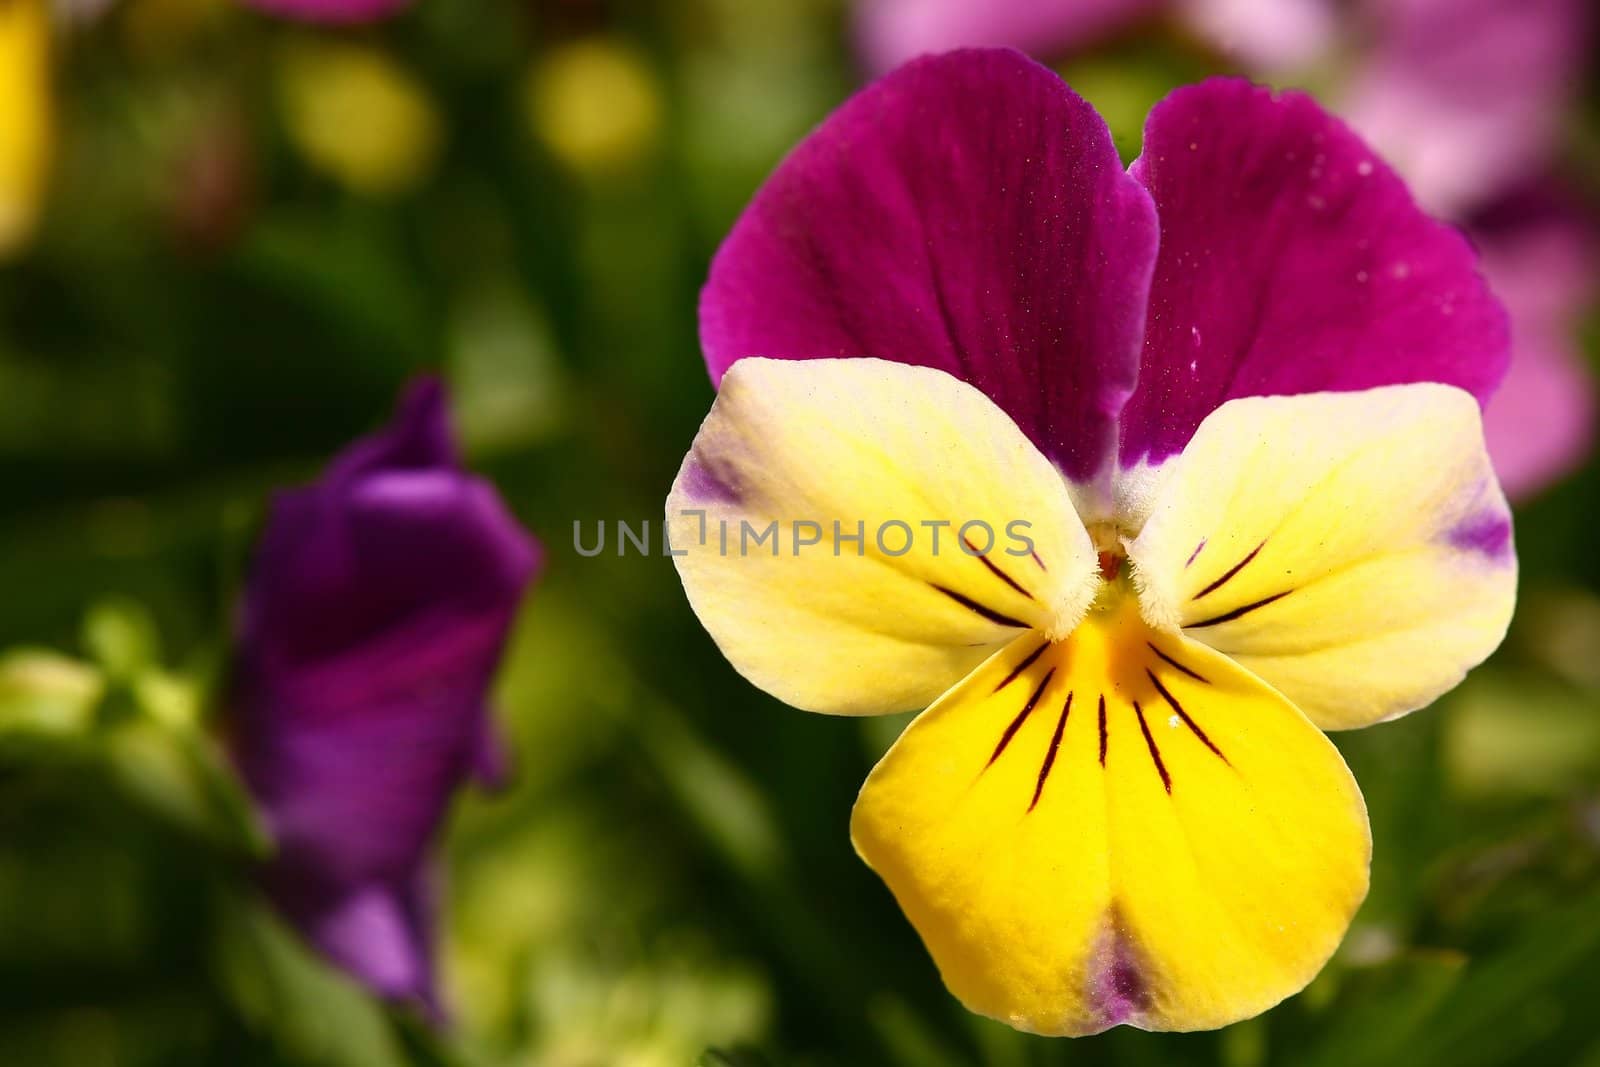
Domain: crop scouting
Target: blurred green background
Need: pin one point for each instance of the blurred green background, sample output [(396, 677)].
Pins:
[(255, 232)]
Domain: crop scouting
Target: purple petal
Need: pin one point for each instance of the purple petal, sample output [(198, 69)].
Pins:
[(966, 212), (355, 761), (1292, 261), (893, 31), (345, 557), (380, 933), (371, 626), (1466, 95), (417, 438), (491, 760), (330, 11), (375, 933), (1542, 257)]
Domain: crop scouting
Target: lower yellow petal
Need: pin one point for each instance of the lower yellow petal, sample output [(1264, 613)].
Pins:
[(1123, 827)]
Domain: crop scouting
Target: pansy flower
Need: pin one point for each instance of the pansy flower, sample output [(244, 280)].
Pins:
[(1220, 415), (371, 627)]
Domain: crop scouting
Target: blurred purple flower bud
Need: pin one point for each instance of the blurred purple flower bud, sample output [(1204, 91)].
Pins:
[(372, 622)]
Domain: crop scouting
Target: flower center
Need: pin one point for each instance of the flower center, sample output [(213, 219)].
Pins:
[(1110, 565)]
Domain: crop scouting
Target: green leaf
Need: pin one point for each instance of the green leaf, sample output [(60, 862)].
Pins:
[(121, 637), (179, 777), (47, 694), (716, 1057), (315, 1015), (1381, 1011), (1446, 1010), (1483, 1021)]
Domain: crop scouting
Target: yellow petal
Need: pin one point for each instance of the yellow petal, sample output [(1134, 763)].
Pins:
[(1352, 549), (825, 450), (26, 135), (1119, 828)]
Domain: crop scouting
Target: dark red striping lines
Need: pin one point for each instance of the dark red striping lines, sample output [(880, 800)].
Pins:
[(1150, 742), (1022, 716), (995, 570), (1050, 754), (1235, 569), (1054, 748), (1175, 665), (1172, 702), (1102, 729), (977, 608), (1019, 668), (1229, 616)]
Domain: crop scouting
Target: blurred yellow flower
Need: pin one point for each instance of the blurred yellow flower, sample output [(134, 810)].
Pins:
[(359, 117), (26, 114), (595, 104)]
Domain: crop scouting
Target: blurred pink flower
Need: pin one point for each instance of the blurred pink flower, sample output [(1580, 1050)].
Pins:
[(1263, 37), (1467, 97), (1259, 35), (1541, 256), (892, 31)]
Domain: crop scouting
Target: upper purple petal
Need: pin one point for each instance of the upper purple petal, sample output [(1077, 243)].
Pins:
[(893, 31), (371, 625), (1292, 260), (966, 212)]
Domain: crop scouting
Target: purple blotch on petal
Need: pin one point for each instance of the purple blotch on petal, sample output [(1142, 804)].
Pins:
[(1117, 987), (1487, 533), (704, 485)]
